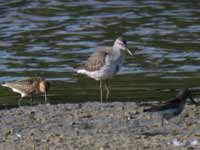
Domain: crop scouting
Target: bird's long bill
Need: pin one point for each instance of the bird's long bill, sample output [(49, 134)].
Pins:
[(129, 52), (192, 100)]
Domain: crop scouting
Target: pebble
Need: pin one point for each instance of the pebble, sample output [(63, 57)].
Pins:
[(117, 126)]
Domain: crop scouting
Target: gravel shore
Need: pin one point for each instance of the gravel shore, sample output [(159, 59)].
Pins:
[(95, 126)]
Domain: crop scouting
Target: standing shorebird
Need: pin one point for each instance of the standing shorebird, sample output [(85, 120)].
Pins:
[(29, 87), (105, 63), (173, 107)]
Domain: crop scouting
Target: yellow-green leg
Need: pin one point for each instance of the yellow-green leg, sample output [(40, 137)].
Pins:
[(101, 91), (19, 102), (45, 96), (32, 100), (107, 86)]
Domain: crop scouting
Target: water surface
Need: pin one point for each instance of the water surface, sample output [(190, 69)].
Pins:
[(51, 38)]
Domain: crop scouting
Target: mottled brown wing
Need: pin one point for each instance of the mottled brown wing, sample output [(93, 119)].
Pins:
[(97, 60), (24, 88), (27, 85), (26, 81)]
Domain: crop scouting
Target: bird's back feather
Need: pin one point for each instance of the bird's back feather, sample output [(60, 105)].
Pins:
[(97, 59), (171, 104), (28, 85)]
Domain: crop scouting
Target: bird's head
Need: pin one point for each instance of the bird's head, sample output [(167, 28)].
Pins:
[(186, 93), (120, 43), (44, 86)]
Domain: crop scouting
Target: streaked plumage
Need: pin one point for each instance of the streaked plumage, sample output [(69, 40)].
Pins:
[(28, 87), (105, 63), (172, 107), (97, 60)]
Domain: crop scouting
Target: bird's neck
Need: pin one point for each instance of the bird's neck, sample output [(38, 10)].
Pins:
[(117, 50), (117, 54), (182, 101)]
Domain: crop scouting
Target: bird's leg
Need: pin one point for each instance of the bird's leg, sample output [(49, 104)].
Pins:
[(107, 86), (45, 95), (163, 119), (31, 100), (101, 91), (19, 101)]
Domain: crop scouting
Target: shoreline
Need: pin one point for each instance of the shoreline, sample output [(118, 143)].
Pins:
[(85, 126)]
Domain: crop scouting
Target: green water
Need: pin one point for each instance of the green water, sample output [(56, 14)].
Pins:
[(51, 38)]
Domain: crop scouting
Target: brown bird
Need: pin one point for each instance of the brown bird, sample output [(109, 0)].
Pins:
[(29, 87), (172, 107), (105, 63)]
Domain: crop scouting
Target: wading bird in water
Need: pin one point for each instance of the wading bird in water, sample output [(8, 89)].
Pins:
[(105, 63), (29, 87)]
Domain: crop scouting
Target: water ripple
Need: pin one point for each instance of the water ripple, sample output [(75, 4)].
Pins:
[(50, 38)]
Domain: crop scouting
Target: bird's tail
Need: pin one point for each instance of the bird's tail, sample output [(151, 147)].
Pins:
[(9, 85), (81, 71), (4, 84)]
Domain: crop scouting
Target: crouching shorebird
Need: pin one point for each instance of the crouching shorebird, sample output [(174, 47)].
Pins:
[(174, 106), (29, 87), (105, 63)]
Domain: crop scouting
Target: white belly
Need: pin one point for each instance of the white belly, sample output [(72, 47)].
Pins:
[(106, 72), (20, 92), (23, 94)]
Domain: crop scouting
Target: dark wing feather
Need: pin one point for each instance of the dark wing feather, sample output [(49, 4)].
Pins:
[(173, 103), (97, 60)]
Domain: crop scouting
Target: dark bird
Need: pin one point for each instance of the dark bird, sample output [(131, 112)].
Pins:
[(172, 107), (105, 63), (29, 87)]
